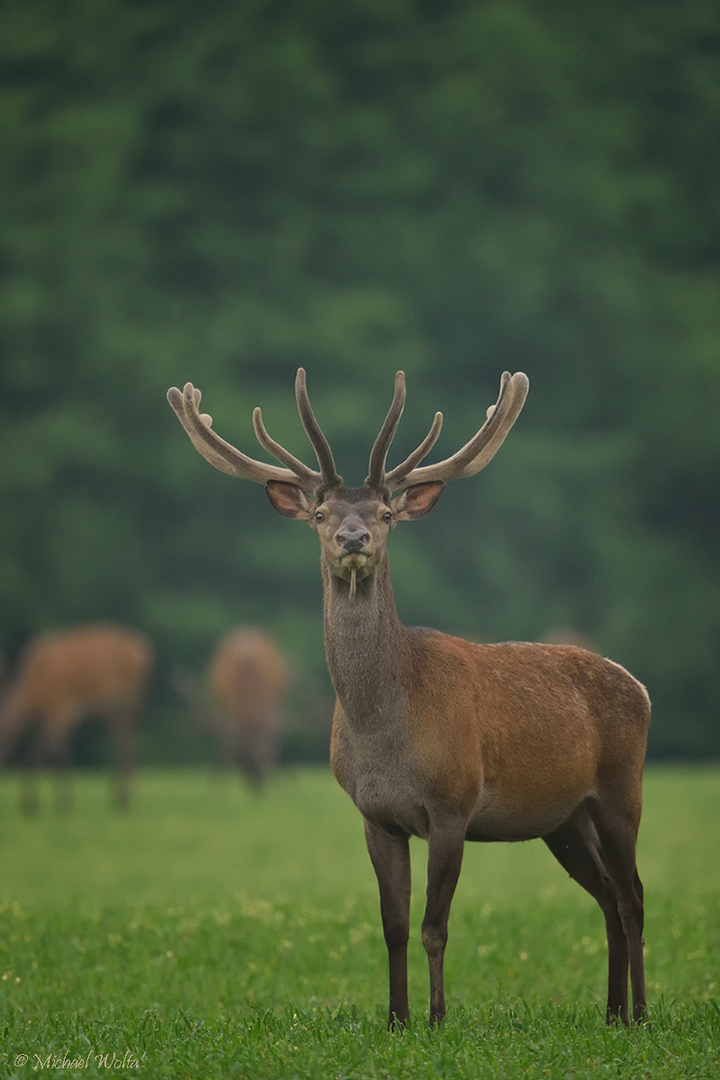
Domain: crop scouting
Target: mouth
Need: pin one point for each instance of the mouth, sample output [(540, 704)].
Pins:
[(354, 567), (355, 561)]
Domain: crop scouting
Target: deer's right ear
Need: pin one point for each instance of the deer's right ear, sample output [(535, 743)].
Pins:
[(289, 500)]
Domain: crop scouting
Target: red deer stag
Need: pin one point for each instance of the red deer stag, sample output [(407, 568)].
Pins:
[(62, 679), (448, 740)]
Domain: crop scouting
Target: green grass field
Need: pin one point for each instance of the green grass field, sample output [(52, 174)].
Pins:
[(213, 934)]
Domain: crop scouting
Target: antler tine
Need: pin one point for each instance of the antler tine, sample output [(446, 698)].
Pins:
[(378, 454), (220, 453), (477, 453), (311, 478), (398, 474), (329, 474)]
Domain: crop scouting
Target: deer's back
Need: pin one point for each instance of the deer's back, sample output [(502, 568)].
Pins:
[(83, 669)]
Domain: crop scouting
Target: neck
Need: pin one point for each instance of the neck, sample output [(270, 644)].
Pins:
[(365, 642)]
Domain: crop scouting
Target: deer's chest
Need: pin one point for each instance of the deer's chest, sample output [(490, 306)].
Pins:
[(376, 770)]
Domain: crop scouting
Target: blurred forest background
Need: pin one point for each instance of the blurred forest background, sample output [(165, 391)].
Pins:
[(222, 192)]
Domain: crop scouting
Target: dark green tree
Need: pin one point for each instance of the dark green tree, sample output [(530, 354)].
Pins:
[(221, 193)]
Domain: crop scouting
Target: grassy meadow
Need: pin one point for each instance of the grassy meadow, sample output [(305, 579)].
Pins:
[(210, 934)]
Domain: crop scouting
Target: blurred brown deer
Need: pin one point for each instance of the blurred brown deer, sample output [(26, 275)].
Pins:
[(246, 679), (61, 680), (441, 738)]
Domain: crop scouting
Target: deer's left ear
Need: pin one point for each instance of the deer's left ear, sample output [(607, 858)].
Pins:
[(418, 500)]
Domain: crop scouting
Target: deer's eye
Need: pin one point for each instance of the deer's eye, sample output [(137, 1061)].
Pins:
[(319, 517), (387, 517)]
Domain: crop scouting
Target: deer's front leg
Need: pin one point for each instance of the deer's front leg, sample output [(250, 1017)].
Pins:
[(390, 857), (445, 853)]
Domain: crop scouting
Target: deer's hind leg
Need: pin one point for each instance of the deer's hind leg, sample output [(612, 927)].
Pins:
[(617, 828), (578, 848)]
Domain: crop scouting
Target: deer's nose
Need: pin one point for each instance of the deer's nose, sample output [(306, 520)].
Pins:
[(353, 538)]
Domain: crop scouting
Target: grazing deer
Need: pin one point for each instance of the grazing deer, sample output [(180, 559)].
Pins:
[(62, 679), (247, 677), (448, 740)]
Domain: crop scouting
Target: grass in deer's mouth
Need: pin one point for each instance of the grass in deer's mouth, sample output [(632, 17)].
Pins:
[(215, 934), (354, 564), (356, 560)]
